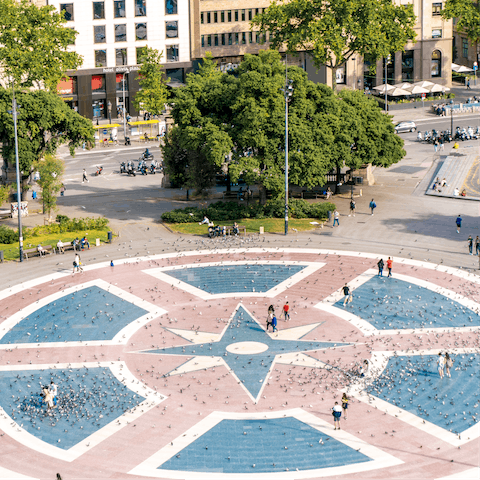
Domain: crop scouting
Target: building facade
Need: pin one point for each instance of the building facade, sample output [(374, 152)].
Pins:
[(112, 35)]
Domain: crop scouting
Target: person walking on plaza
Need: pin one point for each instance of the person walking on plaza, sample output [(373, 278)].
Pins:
[(286, 311), (389, 266), (441, 364), (270, 315), (345, 405), (458, 222), (84, 179), (77, 264), (477, 245), (353, 205), (380, 266), (470, 244), (347, 294), (372, 206), (274, 324), (337, 413), (468, 84), (448, 364), (336, 217)]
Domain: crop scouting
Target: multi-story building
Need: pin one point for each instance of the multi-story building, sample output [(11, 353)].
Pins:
[(112, 35), (222, 28), (465, 52)]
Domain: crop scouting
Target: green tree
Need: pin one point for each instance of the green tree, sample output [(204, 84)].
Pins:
[(44, 123), (336, 30), (243, 116), (34, 45), (467, 13), (51, 170), (153, 94)]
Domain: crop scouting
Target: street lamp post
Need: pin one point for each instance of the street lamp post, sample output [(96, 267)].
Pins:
[(124, 110), (19, 199), (288, 92)]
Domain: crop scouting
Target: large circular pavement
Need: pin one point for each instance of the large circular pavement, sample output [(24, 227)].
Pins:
[(165, 369)]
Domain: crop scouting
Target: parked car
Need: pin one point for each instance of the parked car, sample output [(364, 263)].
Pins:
[(405, 127)]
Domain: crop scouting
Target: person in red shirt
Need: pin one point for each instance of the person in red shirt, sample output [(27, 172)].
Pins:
[(286, 309), (389, 266)]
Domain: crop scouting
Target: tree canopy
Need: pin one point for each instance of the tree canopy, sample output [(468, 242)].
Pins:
[(153, 94), (467, 13), (51, 170), (44, 123), (336, 30), (34, 44), (242, 116)]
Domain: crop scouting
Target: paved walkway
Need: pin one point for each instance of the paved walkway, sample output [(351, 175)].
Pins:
[(165, 367)]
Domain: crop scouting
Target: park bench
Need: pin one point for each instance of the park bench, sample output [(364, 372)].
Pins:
[(312, 194), (241, 228), (231, 195), (67, 246), (32, 252)]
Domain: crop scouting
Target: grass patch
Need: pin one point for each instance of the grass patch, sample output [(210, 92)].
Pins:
[(11, 251), (271, 225)]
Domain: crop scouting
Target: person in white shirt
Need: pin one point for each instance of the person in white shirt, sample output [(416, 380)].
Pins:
[(205, 220), (60, 246), (53, 389), (441, 364)]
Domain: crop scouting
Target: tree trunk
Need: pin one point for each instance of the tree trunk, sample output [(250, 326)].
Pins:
[(338, 180), (334, 79)]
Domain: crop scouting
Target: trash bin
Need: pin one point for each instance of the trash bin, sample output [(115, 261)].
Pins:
[(127, 141), (329, 215), (110, 235), (1, 256)]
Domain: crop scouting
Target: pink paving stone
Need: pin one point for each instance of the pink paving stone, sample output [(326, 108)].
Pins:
[(131, 445)]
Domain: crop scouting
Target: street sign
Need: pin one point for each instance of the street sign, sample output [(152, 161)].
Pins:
[(105, 131), (475, 66), (424, 96)]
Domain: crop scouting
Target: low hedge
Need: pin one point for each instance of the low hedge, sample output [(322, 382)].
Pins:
[(222, 211), (65, 224)]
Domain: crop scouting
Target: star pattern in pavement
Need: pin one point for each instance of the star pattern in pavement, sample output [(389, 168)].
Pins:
[(247, 349)]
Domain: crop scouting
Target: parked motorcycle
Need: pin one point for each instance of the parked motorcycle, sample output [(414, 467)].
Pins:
[(131, 168), (123, 167)]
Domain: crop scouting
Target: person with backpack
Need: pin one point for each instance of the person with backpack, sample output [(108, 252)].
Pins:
[(270, 315), (353, 205), (380, 266), (372, 206)]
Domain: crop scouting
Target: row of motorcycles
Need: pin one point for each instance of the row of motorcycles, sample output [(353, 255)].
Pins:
[(468, 133), (142, 168)]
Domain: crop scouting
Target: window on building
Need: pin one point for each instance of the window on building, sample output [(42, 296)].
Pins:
[(244, 38), (201, 18), (171, 7), (258, 37), (171, 29), (121, 33), (202, 40), (436, 9), (436, 68), (222, 16), (209, 40), (236, 15), (99, 34), (215, 17), (175, 74), (230, 38), (464, 48), (98, 10), (67, 10), (437, 33), (140, 8), (243, 15), (141, 52), (119, 80), (250, 14), (236, 38), (98, 83), (229, 16), (215, 40), (140, 31), (341, 77), (250, 37), (121, 56), (223, 39), (208, 17), (100, 58), (407, 65), (172, 53), (119, 8)]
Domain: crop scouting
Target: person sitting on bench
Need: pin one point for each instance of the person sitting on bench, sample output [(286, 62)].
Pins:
[(60, 247), (41, 251), (236, 230), (84, 241)]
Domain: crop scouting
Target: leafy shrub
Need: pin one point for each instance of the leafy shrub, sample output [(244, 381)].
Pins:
[(68, 225), (223, 211), (7, 235), (62, 219)]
